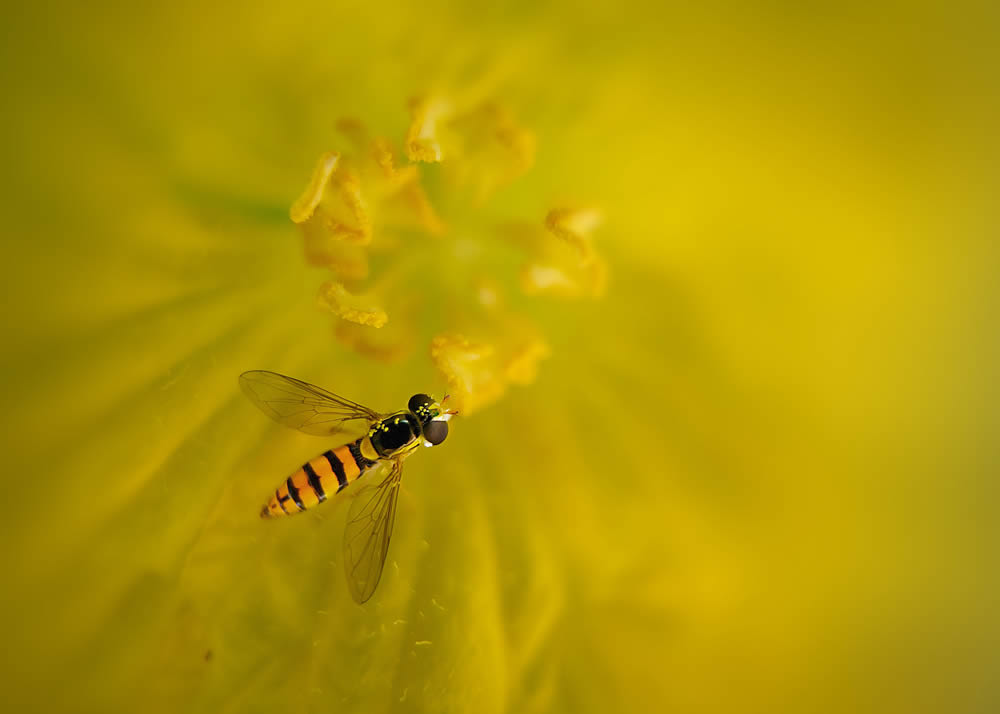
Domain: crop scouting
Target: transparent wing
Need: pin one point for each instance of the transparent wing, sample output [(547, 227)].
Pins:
[(369, 528), (304, 406)]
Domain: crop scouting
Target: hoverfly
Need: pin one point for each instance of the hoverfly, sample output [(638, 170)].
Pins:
[(385, 441)]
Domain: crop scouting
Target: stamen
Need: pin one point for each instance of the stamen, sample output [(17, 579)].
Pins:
[(422, 141), (479, 372), (575, 226), (562, 261), (366, 215), (304, 207), (354, 308), (348, 218)]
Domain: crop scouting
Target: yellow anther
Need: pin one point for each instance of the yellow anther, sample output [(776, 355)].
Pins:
[(422, 140), (357, 309), (574, 226), (304, 207), (348, 218), (561, 260), (478, 372), (348, 261), (563, 278)]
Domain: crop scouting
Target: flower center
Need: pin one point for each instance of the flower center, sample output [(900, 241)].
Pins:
[(408, 271)]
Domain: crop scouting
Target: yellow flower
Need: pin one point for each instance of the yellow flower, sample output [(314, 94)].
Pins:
[(712, 286)]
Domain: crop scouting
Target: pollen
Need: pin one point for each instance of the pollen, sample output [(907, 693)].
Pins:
[(352, 308), (443, 278), (347, 216)]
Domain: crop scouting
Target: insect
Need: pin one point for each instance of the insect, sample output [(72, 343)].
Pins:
[(372, 443)]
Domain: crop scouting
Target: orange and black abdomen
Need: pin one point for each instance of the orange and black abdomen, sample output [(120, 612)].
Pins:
[(317, 480)]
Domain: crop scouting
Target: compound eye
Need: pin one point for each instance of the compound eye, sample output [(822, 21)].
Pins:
[(417, 401), (436, 432)]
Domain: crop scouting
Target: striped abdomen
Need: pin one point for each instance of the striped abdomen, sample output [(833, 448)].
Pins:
[(318, 480)]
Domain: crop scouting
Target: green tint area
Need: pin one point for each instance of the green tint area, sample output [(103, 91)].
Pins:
[(759, 475)]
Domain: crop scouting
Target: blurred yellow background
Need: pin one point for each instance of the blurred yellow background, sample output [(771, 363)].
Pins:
[(757, 475)]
